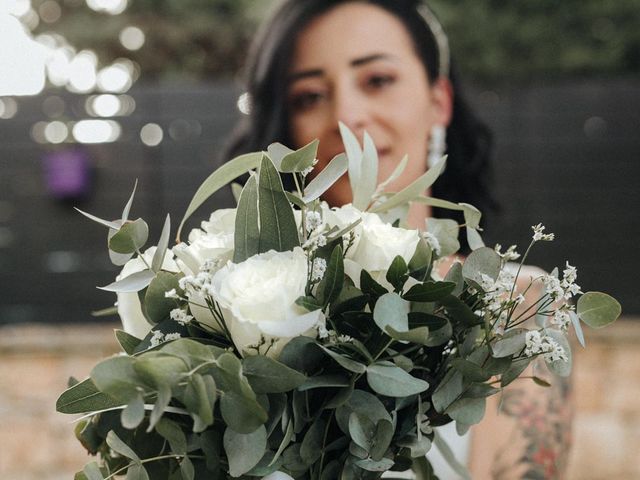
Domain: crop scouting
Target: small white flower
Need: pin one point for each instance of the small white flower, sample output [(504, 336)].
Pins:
[(553, 351), (561, 318), (172, 336), (538, 234), (180, 316), (321, 240), (345, 339), (157, 338), (569, 274), (533, 343), (313, 221), (171, 294), (510, 255), (432, 241), (519, 299), (553, 287), (322, 331), (318, 269)]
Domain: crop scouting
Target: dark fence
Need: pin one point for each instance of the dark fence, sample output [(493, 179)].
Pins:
[(567, 155)]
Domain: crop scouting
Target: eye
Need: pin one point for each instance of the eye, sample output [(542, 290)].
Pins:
[(303, 101), (379, 81)]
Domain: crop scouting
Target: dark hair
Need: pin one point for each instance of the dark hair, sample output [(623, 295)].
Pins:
[(469, 140)]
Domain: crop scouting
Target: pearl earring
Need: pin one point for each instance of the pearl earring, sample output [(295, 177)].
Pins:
[(437, 144)]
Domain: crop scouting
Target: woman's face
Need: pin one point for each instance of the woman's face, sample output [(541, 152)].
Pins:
[(356, 64)]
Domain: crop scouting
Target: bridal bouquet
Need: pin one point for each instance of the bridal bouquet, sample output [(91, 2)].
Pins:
[(288, 339)]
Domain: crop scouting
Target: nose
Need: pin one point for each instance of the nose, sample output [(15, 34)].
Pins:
[(350, 107)]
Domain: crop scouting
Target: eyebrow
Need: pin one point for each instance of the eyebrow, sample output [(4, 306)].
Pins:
[(356, 62)]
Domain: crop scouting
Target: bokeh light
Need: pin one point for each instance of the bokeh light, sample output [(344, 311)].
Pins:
[(8, 108), (132, 38), (117, 77), (82, 72), (96, 131), (56, 132), (113, 7), (151, 134), (53, 106), (244, 103), (108, 105), (50, 11)]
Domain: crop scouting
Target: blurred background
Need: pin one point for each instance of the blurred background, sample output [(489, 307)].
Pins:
[(97, 93)]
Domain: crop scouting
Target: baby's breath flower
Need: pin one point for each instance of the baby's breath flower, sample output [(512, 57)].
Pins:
[(321, 240), (533, 343), (322, 331), (313, 221), (561, 318), (553, 287), (538, 234), (318, 269), (345, 339), (172, 336), (536, 343), (554, 351), (157, 338), (171, 294), (180, 316), (509, 255)]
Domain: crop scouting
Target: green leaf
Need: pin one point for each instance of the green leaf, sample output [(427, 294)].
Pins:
[(247, 235), (382, 439), (420, 261), (365, 187), (115, 225), (127, 207), (395, 174), (127, 341), (417, 446), (120, 447), (242, 414), (398, 273), (474, 239), (137, 472), (163, 399), (277, 152), (199, 398), (512, 342), (312, 443), (460, 311), (158, 368), (157, 306), (481, 261), (454, 275), (92, 471), (118, 259), (391, 310), (370, 287), (300, 159), (413, 190), (325, 381), (343, 361), (186, 469), (269, 376), (116, 377), (541, 382), (470, 370), (372, 466), (449, 456), (598, 309), (218, 179), (467, 410), (514, 371), (363, 403), (191, 352), (387, 379), (446, 232), (163, 243), (575, 321), (84, 397), (429, 291), (331, 285), (354, 155), (362, 431), (244, 451), (130, 237), (173, 433), (450, 388), (278, 229), (133, 414), (335, 169), (132, 283), (418, 335)]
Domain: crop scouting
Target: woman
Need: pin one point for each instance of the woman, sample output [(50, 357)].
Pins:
[(381, 66)]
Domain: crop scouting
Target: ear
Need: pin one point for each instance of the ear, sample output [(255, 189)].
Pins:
[(442, 100)]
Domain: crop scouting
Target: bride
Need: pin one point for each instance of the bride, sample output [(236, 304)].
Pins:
[(383, 66)]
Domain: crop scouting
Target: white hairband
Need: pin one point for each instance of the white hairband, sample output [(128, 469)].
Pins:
[(442, 42)]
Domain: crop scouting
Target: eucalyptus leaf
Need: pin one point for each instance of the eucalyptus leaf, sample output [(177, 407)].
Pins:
[(420, 261), (115, 225), (156, 305), (269, 376), (446, 232), (467, 410), (363, 403), (163, 243), (218, 179), (483, 261), (127, 207), (242, 414), (397, 273), (470, 370), (418, 446), (127, 341), (365, 187), (301, 159), (418, 335), (514, 371), (277, 152), (331, 285), (560, 367), (278, 229), (460, 312), (335, 169), (382, 439), (511, 343), (387, 379), (455, 275), (117, 378), (344, 361), (133, 414), (132, 283), (246, 233), (325, 381), (130, 237), (474, 239), (121, 447), (92, 471), (391, 311), (137, 472), (450, 457), (85, 397), (362, 431), (286, 440), (598, 309), (163, 398), (429, 291), (244, 451), (354, 155), (402, 164), (575, 321), (312, 443), (449, 389), (413, 190)]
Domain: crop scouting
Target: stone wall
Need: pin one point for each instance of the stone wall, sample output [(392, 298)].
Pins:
[(38, 444)]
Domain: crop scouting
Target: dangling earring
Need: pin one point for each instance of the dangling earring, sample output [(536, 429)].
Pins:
[(437, 144)]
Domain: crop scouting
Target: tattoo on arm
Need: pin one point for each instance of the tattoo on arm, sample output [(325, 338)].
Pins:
[(538, 447)]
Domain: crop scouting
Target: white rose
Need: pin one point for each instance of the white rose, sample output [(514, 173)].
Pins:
[(129, 309), (377, 244), (213, 242), (258, 298), (277, 476)]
